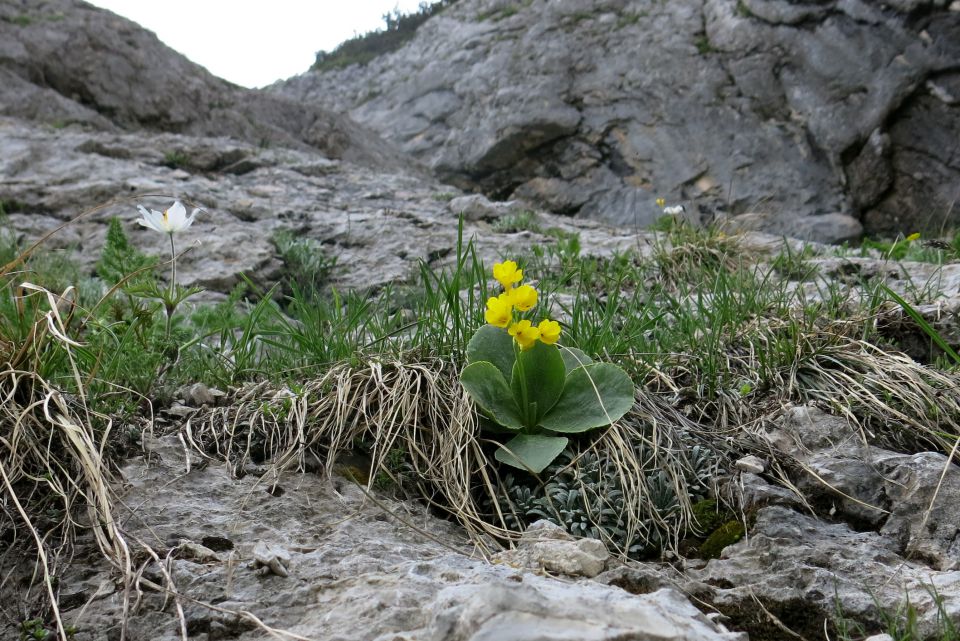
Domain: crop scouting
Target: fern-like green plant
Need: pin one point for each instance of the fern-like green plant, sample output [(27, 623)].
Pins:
[(120, 261)]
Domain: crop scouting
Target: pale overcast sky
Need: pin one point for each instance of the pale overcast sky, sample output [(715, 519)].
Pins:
[(255, 42)]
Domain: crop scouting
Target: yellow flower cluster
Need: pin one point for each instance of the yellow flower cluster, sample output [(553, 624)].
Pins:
[(523, 298)]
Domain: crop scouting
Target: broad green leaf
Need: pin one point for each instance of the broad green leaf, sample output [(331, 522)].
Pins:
[(594, 395), (493, 345), (487, 424), (531, 452), (573, 358), (488, 389), (542, 368)]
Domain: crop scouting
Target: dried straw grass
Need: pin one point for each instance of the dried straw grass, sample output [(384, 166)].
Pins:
[(52, 458), (421, 409)]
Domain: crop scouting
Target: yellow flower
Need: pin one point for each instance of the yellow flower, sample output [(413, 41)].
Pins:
[(499, 311), (523, 297), (524, 333), (661, 202), (549, 331), (913, 237), (507, 273)]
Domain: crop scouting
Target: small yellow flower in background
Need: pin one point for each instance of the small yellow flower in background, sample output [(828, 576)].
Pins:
[(499, 311), (661, 202), (524, 333), (507, 274), (912, 237), (523, 297), (549, 331), (169, 221)]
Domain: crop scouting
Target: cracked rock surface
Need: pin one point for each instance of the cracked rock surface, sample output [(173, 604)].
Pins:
[(318, 559), (783, 109)]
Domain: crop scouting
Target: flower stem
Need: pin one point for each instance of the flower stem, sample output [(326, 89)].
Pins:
[(524, 393), (173, 265), (170, 305)]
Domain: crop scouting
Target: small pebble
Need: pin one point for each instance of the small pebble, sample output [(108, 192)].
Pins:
[(751, 464)]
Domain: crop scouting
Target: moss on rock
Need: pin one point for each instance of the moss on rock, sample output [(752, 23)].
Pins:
[(727, 534)]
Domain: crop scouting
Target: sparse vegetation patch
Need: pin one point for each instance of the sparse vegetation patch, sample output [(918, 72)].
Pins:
[(398, 29)]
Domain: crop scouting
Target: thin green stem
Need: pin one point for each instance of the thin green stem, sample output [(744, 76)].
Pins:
[(171, 296), (173, 266), (524, 392)]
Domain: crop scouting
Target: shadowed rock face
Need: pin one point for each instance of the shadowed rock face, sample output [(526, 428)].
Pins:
[(775, 107), (65, 62)]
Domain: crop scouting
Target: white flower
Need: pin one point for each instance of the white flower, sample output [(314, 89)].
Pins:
[(170, 220), (675, 210)]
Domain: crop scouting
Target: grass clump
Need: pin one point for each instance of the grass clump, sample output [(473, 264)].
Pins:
[(307, 265), (910, 248), (498, 14), (703, 45), (902, 623), (630, 19), (524, 220), (175, 159), (795, 265), (399, 29)]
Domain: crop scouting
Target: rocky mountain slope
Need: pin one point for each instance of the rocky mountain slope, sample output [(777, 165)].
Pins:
[(782, 109), (64, 62), (95, 110)]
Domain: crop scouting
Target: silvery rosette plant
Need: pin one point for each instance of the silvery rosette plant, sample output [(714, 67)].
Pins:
[(528, 385)]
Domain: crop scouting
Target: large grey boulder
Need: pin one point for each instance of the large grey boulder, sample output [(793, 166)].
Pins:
[(860, 546), (790, 558), (378, 224), (790, 110), (911, 499), (65, 61), (321, 560)]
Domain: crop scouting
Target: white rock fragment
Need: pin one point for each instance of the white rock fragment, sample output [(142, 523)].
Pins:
[(271, 558), (751, 465), (197, 552), (179, 410), (200, 394), (549, 547)]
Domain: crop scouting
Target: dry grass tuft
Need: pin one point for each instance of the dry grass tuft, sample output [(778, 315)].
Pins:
[(54, 475), (422, 411)]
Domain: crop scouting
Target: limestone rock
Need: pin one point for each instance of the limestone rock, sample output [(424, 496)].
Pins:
[(549, 547), (371, 576), (200, 394), (751, 464), (197, 552), (65, 62), (802, 559), (872, 545), (546, 612), (271, 558), (476, 207), (737, 105)]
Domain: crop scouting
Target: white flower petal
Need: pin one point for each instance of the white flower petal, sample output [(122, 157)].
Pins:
[(169, 221), (193, 215), (150, 218), (175, 216)]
